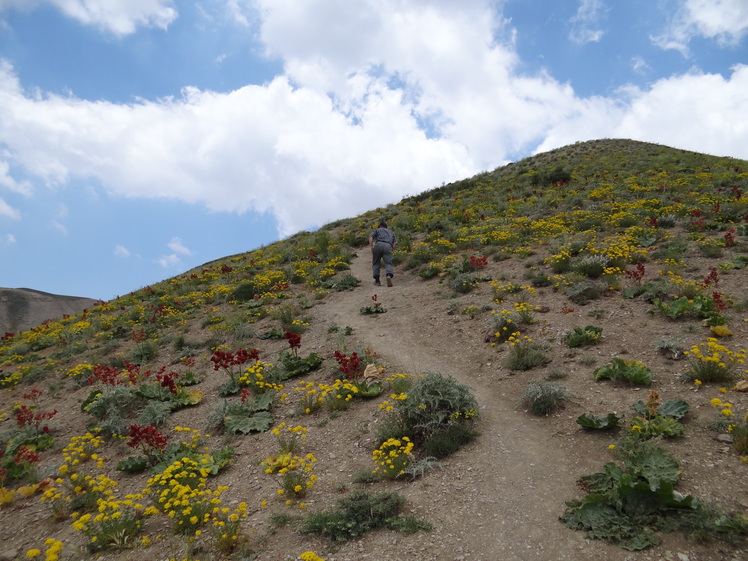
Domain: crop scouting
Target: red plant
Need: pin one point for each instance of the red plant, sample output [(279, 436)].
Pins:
[(8, 336), (350, 366), (652, 222), (637, 274), (149, 440), (167, 380), (106, 374), (719, 304), (245, 395), (712, 277), (26, 455), (26, 417), (478, 262), (227, 361), (730, 237), (698, 224), (294, 340), (222, 359)]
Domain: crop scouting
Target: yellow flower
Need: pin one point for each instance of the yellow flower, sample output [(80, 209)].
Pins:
[(612, 447), (31, 553)]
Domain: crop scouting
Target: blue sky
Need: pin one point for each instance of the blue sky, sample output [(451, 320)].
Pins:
[(141, 138)]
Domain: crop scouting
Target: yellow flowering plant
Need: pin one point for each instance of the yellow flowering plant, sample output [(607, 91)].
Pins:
[(392, 457), (713, 362)]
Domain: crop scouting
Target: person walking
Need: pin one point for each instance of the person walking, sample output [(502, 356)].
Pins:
[(382, 241)]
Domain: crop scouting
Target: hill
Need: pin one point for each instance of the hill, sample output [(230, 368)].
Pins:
[(605, 261), (24, 308)]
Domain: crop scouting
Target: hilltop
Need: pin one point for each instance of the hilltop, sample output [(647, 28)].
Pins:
[(637, 248)]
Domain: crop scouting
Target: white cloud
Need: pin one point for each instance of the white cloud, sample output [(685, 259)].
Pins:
[(8, 211), (169, 261), (343, 130), (121, 251), (8, 182), (693, 111), (177, 246), (10, 239), (639, 65), (120, 17), (725, 21), (585, 25)]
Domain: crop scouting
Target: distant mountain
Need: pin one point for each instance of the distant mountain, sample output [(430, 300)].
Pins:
[(24, 308)]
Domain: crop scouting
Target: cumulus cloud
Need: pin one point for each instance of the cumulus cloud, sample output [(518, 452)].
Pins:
[(695, 111), (725, 21), (173, 259), (585, 25), (121, 251), (120, 17), (424, 92), (178, 247), (8, 182), (8, 211), (169, 261)]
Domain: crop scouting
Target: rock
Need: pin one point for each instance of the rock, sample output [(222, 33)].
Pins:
[(742, 386), (8, 554), (727, 438)]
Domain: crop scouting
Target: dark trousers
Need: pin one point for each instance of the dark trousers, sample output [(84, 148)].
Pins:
[(382, 252)]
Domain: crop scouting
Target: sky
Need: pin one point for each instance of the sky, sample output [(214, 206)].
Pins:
[(142, 138)]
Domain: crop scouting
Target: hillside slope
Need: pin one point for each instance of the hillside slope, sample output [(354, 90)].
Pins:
[(643, 242), (24, 308)]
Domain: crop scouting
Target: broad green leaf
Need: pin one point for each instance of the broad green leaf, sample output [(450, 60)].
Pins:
[(591, 421)]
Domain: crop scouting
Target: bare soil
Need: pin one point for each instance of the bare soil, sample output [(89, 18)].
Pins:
[(497, 498)]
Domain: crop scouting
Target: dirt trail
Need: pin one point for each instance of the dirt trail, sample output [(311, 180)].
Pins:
[(499, 498)]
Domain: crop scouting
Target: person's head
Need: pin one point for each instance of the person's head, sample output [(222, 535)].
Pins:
[(382, 224)]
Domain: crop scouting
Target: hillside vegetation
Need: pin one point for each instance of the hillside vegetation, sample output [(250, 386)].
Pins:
[(558, 373)]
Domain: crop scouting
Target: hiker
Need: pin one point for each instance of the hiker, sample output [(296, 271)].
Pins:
[(382, 241)]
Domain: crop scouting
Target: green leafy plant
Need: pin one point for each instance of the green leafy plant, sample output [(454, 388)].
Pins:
[(655, 418), (375, 308), (583, 336), (597, 422), (251, 413), (700, 307), (633, 372), (627, 504)]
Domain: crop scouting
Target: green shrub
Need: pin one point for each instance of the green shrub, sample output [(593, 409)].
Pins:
[(591, 266), (434, 406), (526, 355), (582, 336), (583, 292), (462, 283), (360, 512), (448, 440), (245, 292), (632, 371), (544, 398)]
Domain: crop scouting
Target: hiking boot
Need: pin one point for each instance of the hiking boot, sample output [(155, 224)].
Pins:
[(377, 283), (389, 281)]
